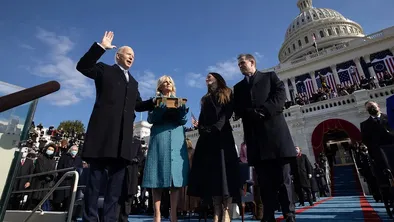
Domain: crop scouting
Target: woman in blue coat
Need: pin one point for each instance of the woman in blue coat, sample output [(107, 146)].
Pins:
[(167, 163)]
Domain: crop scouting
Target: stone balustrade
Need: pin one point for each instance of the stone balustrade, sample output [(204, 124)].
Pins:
[(335, 106)]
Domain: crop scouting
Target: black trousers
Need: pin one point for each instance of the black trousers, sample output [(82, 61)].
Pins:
[(275, 184), (115, 169), (300, 192), (124, 208)]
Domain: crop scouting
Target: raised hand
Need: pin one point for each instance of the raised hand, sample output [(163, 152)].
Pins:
[(106, 42)]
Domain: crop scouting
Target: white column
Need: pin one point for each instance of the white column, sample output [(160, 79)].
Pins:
[(335, 73), (293, 83), (367, 60), (312, 74), (359, 67), (286, 82)]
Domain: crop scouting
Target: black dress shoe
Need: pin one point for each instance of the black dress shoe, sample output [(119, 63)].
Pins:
[(290, 218), (268, 220)]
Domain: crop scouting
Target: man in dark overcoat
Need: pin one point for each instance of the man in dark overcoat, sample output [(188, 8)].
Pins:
[(376, 132), (26, 167), (109, 135), (130, 183), (259, 100), (302, 172)]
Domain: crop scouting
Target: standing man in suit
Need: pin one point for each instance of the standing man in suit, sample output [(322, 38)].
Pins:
[(109, 135), (376, 131), (259, 100)]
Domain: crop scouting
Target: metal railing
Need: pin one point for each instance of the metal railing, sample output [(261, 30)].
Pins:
[(46, 189), (73, 195), (358, 172), (47, 172)]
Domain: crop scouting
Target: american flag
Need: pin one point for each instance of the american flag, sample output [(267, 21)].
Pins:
[(194, 120), (355, 74), (305, 87), (382, 65), (349, 76), (329, 79)]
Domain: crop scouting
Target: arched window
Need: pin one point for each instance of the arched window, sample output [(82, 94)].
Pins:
[(299, 43), (337, 31), (306, 39), (329, 32), (321, 34)]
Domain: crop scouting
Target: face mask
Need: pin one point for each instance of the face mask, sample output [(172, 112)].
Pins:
[(49, 152), (373, 111), (74, 153), (24, 155)]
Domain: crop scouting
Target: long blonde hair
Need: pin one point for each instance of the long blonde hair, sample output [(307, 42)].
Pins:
[(161, 81)]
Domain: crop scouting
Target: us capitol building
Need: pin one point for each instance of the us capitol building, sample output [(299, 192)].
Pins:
[(321, 40)]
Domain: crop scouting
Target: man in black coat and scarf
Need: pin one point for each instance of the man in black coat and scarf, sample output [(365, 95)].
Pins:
[(259, 99), (109, 135)]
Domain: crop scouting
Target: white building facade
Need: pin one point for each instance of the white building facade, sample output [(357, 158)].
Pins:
[(323, 41)]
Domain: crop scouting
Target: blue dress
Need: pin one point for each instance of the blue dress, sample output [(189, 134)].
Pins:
[(167, 162)]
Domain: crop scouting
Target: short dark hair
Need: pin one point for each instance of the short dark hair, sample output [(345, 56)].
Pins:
[(247, 56), (369, 101)]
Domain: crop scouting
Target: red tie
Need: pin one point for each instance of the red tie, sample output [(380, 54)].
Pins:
[(23, 161)]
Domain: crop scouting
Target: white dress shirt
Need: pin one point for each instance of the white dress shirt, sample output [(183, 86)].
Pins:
[(126, 73)]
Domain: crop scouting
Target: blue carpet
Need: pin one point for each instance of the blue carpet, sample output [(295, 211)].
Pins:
[(344, 206), (345, 181)]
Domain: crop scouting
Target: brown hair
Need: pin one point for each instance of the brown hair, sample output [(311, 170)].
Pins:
[(223, 92)]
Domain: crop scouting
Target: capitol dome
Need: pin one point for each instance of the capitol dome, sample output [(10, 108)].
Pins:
[(329, 27)]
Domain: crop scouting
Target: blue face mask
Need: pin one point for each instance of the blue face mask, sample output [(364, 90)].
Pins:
[(74, 153), (49, 152)]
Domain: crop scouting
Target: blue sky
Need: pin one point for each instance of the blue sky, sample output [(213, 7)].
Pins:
[(43, 40)]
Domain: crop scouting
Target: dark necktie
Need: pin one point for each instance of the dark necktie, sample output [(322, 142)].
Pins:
[(377, 119)]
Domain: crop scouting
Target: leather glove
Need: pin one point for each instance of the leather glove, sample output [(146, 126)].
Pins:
[(208, 130), (159, 110), (183, 110), (255, 113)]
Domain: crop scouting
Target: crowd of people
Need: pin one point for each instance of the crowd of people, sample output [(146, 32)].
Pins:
[(46, 150), (326, 92)]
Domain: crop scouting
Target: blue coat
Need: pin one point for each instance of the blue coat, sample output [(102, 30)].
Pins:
[(167, 162)]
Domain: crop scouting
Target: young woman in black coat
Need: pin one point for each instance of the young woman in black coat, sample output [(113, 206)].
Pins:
[(215, 170)]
